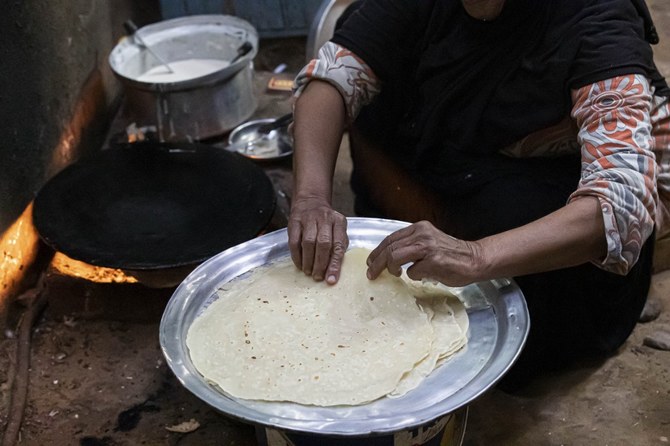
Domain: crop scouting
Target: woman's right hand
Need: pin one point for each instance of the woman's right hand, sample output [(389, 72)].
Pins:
[(317, 236)]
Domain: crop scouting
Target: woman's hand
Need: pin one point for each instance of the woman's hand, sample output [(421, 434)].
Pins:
[(317, 237), (434, 254)]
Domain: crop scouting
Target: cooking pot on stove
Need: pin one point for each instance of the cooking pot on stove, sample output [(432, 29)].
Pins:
[(189, 108)]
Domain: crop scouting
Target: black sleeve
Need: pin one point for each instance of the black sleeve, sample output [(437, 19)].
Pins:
[(378, 31), (611, 42)]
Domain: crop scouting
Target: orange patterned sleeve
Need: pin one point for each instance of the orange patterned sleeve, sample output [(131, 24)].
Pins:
[(352, 77), (660, 133), (618, 162)]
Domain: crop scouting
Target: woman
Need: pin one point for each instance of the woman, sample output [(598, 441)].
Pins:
[(533, 137)]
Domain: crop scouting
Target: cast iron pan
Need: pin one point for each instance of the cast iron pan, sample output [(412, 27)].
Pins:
[(147, 206)]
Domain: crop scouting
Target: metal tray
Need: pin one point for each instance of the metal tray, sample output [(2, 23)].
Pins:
[(499, 325)]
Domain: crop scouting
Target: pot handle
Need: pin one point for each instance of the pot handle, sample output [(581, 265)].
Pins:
[(242, 51)]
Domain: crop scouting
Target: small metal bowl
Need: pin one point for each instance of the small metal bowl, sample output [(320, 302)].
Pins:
[(247, 141)]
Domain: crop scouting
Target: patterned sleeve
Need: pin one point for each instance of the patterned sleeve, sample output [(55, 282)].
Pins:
[(352, 77), (660, 122), (618, 163)]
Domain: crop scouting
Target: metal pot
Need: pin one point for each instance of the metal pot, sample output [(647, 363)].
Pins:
[(194, 108)]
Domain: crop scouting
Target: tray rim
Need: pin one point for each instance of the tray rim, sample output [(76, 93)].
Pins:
[(241, 410)]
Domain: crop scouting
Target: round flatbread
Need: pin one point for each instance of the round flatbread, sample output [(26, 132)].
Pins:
[(278, 335)]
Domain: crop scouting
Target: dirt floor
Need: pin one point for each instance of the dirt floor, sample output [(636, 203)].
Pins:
[(106, 382)]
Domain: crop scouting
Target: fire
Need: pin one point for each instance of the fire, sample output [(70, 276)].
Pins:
[(18, 250), (19, 246), (71, 267)]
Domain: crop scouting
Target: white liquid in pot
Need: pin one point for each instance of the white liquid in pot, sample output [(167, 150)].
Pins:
[(183, 70)]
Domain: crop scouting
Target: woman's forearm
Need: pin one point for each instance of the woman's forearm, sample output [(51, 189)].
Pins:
[(319, 121), (570, 236), (317, 233)]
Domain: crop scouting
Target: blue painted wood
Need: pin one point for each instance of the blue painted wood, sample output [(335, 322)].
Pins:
[(178, 8), (265, 15), (271, 18)]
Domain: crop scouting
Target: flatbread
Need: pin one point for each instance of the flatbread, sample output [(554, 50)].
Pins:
[(278, 335), (450, 324)]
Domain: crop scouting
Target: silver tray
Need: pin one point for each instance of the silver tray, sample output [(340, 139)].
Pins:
[(499, 325)]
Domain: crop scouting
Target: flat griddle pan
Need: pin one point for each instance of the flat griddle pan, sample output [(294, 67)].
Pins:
[(151, 205)]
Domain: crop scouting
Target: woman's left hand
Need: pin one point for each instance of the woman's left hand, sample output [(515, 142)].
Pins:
[(434, 254)]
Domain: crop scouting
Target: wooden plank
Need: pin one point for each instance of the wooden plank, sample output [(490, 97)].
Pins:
[(172, 8), (263, 14), (271, 18), (295, 15), (178, 8)]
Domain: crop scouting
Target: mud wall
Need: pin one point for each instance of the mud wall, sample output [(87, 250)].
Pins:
[(53, 66)]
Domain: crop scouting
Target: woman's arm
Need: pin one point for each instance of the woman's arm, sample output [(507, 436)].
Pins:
[(317, 234), (331, 91), (606, 220), (618, 163), (570, 236)]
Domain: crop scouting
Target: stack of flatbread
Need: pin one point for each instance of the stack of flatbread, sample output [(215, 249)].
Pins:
[(277, 335)]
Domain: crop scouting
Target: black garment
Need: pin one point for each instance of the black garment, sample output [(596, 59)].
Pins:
[(575, 313), (468, 89), (578, 313), (455, 88)]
